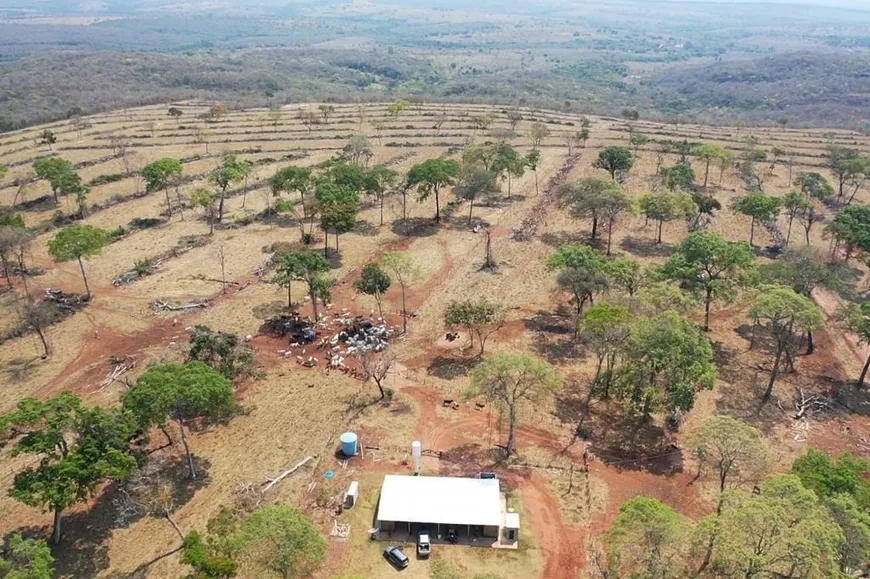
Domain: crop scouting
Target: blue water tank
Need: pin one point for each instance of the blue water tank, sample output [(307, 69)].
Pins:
[(348, 443)]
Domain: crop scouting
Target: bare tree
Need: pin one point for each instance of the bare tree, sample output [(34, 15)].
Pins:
[(376, 366)]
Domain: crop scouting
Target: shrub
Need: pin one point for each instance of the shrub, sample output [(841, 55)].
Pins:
[(144, 222), (243, 220)]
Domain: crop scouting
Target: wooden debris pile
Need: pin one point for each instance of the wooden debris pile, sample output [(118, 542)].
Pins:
[(163, 306), (529, 225)]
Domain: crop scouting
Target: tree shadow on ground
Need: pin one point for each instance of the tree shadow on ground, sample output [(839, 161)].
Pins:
[(83, 551), (269, 309), (848, 395), (631, 442), (470, 459), (415, 227), (19, 369), (561, 238), (38, 204), (365, 228), (645, 247), (554, 334), (142, 570), (450, 368), (850, 277)]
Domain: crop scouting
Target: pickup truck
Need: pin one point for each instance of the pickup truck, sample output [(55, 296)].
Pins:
[(424, 547)]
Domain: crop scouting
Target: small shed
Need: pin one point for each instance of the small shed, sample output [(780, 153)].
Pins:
[(352, 494), (511, 527)]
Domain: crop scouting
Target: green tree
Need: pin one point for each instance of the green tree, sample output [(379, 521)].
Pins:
[(310, 267), (26, 559), (205, 199), (677, 178), (160, 174), (46, 137), (783, 311), (637, 140), (857, 170), (220, 350), (4, 169), (594, 199), (338, 206), (429, 177), (782, 531), (508, 163), (758, 207), (840, 160), (175, 112), (71, 185), (803, 269), (647, 540), (537, 133), (511, 381), (474, 183), (404, 272), (206, 561), (78, 448), (53, 170), (709, 265), (11, 232), (375, 282), (325, 112), (615, 160), (605, 328), (672, 360), (344, 175), (708, 154), (814, 185), (293, 179), (843, 487), (626, 274), (532, 160), (379, 182), (827, 477), (794, 204), (480, 318), (397, 107), (280, 541), (583, 135), (850, 231), (666, 206), (857, 321), (78, 242), (231, 170), (580, 272), (180, 392), (730, 448)]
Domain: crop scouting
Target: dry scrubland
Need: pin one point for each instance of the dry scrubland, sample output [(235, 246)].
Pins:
[(293, 412)]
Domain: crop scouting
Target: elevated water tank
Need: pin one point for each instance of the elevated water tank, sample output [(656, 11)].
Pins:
[(416, 453), (348, 443)]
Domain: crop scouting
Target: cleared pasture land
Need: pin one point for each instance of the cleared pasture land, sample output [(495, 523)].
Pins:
[(294, 412)]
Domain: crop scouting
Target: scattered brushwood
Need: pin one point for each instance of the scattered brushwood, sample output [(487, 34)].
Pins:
[(163, 306), (142, 268), (399, 159), (119, 368), (805, 405), (529, 225)]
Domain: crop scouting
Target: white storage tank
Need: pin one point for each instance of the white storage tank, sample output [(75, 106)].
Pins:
[(416, 453)]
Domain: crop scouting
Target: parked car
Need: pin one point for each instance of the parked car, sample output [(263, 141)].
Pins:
[(396, 556), (424, 546)]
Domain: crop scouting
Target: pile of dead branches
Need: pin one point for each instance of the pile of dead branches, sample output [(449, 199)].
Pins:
[(163, 306), (529, 225)]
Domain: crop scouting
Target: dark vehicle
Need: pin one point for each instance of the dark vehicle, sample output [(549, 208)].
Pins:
[(452, 536), (396, 556)]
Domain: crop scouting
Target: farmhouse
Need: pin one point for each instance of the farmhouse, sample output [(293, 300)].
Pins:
[(472, 508)]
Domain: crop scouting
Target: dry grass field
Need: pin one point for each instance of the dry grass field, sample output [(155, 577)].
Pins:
[(293, 412)]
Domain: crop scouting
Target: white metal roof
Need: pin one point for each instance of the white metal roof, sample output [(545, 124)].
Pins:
[(512, 521), (443, 500)]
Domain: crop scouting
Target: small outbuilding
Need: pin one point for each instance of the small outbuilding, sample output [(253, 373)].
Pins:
[(471, 508)]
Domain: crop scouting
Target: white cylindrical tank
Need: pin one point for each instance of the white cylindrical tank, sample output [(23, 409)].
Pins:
[(416, 453)]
